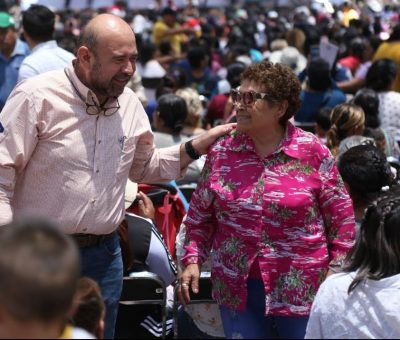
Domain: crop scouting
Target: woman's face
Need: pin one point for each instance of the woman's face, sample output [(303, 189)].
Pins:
[(256, 117)]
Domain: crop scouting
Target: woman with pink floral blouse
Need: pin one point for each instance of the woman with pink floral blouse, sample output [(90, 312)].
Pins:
[(274, 210)]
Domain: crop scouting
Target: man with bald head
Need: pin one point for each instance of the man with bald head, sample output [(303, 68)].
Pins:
[(69, 140)]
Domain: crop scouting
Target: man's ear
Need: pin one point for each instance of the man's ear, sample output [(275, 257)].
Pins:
[(83, 54)]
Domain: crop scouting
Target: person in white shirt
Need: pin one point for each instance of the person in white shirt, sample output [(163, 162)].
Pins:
[(46, 55), (363, 301)]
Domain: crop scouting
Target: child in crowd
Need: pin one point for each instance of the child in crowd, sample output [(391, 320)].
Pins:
[(365, 171), (39, 271), (90, 311), (362, 302)]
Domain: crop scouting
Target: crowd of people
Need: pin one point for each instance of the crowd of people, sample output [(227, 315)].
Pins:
[(285, 124)]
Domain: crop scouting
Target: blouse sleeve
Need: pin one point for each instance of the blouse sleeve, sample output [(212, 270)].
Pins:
[(199, 222), (337, 211)]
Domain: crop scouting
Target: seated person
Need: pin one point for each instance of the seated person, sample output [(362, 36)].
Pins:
[(368, 100), (323, 123), (147, 251), (90, 311), (362, 301), (39, 270), (365, 171), (320, 91), (346, 120)]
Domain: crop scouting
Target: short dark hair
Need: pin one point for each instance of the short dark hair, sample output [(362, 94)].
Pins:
[(91, 306), (323, 118), (365, 169), (38, 22), (196, 55), (376, 254), (381, 74), (319, 74), (39, 270), (168, 11), (368, 100), (173, 111)]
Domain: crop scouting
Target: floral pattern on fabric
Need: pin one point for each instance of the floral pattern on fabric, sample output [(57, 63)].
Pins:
[(289, 211)]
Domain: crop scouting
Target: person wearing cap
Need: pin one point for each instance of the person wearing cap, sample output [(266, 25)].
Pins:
[(290, 56), (38, 24), (12, 53), (168, 29), (69, 140)]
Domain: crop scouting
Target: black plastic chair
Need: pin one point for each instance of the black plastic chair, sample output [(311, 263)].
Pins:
[(187, 190), (140, 289)]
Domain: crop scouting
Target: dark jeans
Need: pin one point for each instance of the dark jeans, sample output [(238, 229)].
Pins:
[(252, 322), (103, 263)]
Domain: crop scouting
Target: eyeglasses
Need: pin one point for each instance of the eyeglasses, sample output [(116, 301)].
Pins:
[(93, 109), (248, 98)]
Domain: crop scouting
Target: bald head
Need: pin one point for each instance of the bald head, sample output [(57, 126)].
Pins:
[(106, 56), (101, 29)]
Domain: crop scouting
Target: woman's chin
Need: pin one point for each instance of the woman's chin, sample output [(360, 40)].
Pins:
[(243, 126)]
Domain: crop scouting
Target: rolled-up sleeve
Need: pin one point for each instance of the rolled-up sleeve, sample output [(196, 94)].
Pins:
[(337, 210), (155, 165), (18, 139)]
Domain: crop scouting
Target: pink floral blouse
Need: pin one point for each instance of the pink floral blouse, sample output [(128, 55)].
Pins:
[(290, 211)]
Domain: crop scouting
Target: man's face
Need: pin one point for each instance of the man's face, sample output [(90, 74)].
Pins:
[(169, 20), (8, 38), (112, 66)]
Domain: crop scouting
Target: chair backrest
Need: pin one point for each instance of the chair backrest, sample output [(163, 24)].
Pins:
[(143, 288), (140, 288), (203, 296), (187, 190)]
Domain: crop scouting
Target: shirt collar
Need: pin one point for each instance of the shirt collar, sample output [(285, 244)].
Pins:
[(20, 48), (47, 44), (288, 145), (84, 93)]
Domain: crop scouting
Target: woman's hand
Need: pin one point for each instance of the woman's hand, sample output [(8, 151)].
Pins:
[(189, 280)]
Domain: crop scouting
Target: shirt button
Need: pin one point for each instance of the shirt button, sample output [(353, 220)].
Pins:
[(97, 171), (84, 229), (93, 200), (99, 141)]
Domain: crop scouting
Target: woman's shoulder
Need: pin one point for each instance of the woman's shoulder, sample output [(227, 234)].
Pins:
[(337, 282), (308, 143), (230, 141)]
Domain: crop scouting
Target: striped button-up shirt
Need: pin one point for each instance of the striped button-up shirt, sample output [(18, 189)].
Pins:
[(58, 162)]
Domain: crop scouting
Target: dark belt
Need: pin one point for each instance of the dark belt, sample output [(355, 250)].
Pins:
[(91, 240)]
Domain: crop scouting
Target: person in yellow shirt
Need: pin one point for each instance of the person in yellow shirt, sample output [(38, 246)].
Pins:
[(391, 50), (167, 28), (349, 13)]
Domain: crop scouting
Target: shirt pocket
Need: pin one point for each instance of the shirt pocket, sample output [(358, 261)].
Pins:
[(127, 153)]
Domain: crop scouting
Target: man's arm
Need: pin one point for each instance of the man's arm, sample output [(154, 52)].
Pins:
[(18, 139), (160, 165)]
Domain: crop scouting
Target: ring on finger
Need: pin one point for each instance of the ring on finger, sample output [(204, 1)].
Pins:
[(184, 284)]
